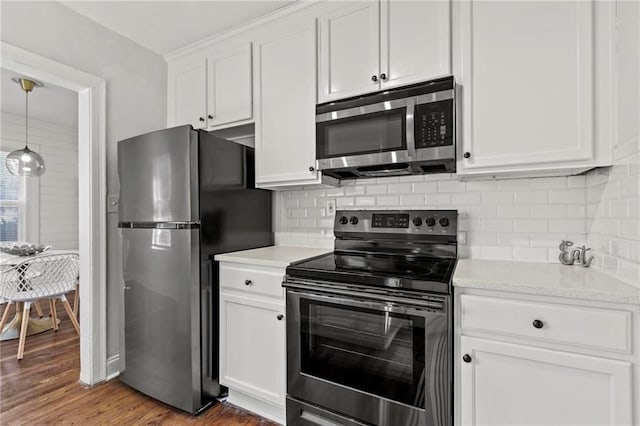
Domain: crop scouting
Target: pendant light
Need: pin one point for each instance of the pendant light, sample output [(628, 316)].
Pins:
[(25, 162)]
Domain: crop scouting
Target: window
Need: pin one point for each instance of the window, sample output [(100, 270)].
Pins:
[(12, 204)]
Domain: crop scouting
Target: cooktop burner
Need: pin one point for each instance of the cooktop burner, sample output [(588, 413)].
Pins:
[(409, 250)]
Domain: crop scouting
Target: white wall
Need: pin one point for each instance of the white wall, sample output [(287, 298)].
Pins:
[(136, 97), (58, 206)]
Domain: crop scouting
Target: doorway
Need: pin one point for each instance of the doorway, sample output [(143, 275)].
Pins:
[(91, 94)]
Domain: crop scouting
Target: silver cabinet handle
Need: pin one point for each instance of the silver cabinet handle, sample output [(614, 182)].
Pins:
[(126, 288)]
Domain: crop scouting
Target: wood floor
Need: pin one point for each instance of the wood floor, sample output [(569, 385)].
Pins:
[(43, 388)]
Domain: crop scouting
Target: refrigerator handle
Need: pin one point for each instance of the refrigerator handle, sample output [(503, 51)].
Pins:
[(209, 319)]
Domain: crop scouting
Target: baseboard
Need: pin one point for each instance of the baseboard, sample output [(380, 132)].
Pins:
[(113, 366), (264, 409)]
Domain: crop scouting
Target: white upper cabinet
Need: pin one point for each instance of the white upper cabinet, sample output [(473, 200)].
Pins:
[(415, 41), (189, 94), (349, 51), (211, 89), (373, 45), (229, 89), (530, 75), (285, 71)]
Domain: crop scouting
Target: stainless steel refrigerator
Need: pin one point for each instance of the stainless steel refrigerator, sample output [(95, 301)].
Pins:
[(185, 196)]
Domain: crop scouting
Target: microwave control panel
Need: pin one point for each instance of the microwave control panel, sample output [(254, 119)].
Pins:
[(433, 123)]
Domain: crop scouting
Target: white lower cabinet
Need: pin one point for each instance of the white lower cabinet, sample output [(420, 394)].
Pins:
[(252, 340), (507, 384), (525, 360)]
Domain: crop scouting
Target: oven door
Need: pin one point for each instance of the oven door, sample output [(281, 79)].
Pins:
[(384, 362), (369, 135)]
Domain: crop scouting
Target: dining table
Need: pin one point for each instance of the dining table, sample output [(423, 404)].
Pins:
[(35, 325)]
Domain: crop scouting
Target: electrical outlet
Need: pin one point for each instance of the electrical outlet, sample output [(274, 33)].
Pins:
[(331, 207)]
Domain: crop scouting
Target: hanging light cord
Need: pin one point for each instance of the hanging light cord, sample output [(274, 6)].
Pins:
[(26, 122)]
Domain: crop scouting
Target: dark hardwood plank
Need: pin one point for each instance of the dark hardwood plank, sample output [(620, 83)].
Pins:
[(43, 389)]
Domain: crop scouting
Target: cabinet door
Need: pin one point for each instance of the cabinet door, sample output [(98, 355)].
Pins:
[(230, 87), (349, 51), (252, 347), (527, 75), (508, 384), (190, 94), (415, 41), (286, 97)]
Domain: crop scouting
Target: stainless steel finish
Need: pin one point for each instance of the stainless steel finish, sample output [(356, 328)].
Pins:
[(411, 143), (385, 106), (302, 414), (364, 224), (161, 267), (159, 176), (381, 158), (387, 300), (159, 225), (368, 408)]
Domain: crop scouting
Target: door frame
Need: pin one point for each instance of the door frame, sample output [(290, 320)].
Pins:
[(92, 190)]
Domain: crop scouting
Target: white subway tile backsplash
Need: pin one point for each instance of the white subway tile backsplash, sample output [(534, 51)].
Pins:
[(451, 186), (376, 189), (521, 219)]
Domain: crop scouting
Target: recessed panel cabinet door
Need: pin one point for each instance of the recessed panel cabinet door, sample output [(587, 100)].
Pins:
[(191, 94), (230, 93), (285, 68), (349, 51), (252, 347), (527, 74), (508, 384), (415, 41)]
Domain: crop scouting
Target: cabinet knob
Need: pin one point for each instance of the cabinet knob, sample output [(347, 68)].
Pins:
[(248, 282), (538, 324), (374, 78), (467, 155), (383, 77), (280, 317), (201, 119), (466, 358), (210, 117), (312, 169)]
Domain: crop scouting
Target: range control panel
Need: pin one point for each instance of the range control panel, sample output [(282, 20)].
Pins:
[(418, 222)]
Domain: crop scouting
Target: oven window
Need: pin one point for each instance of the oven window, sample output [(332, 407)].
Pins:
[(373, 351), (363, 134)]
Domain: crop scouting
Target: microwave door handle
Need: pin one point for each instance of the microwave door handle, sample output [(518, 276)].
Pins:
[(411, 142)]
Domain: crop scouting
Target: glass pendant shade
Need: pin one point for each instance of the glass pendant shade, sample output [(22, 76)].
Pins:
[(25, 162)]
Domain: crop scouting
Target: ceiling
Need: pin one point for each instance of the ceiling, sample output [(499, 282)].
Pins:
[(49, 103), (164, 26)]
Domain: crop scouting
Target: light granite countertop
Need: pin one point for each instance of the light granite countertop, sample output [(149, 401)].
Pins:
[(545, 279), (274, 256)]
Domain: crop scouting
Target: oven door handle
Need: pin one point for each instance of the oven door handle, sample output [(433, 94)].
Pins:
[(390, 306)]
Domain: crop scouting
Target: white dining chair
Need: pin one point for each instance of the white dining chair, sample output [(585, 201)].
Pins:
[(42, 277)]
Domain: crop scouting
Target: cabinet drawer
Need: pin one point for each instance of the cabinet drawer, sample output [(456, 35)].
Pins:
[(599, 328), (262, 281)]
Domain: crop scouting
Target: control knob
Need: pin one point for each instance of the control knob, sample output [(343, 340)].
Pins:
[(430, 221), (343, 220), (417, 221), (353, 220), (444, 222)]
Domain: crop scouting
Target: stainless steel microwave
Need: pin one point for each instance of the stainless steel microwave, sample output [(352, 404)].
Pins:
[(403, 131)]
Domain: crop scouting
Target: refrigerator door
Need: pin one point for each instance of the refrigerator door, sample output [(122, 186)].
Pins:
[(162, 315), (158, 175)]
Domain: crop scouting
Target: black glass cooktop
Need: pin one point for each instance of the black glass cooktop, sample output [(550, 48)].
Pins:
[(406, 272)]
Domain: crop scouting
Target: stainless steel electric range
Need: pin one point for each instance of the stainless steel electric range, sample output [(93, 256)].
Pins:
[(369, 332)]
